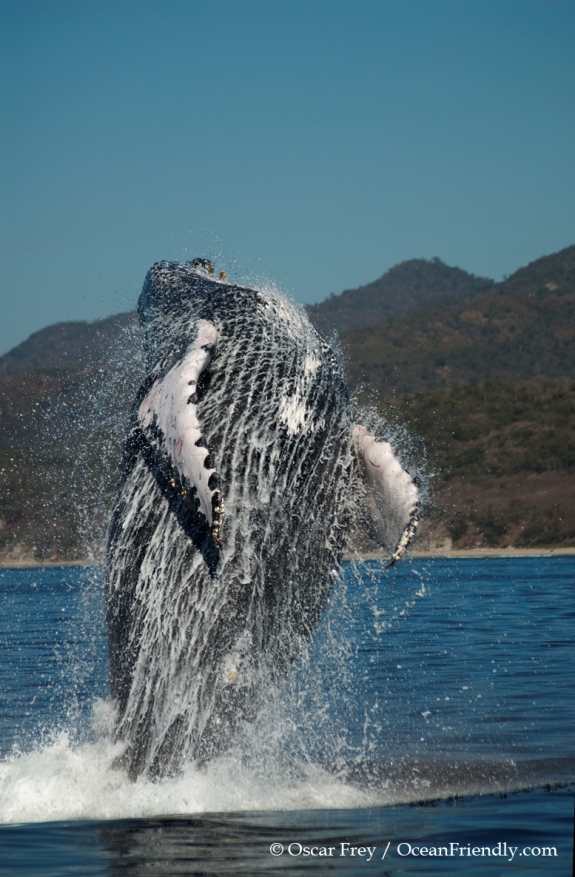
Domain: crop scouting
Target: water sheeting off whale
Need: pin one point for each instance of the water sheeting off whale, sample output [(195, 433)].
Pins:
[(231, 513)]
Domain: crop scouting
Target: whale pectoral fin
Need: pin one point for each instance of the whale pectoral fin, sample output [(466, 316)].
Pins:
[(169, 417), (392, 494)]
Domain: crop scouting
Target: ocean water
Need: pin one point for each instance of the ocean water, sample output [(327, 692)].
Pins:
[(429, 724)]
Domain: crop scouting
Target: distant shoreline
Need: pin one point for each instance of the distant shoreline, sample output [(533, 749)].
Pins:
[(453, 553), (37, 564), (449, 554)]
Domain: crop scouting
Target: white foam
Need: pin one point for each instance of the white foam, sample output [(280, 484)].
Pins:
[(62, 782)]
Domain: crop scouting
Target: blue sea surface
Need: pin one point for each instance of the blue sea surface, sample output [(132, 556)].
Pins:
[(433, 711)]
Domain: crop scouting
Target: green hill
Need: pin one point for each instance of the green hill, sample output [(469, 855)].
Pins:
[(503, 457), (489, 385), (402, 289), (509, 333), (74, 346), (61, 433), (483, 373)]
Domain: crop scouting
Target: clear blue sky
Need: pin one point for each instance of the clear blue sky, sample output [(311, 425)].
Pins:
[(313, 142)]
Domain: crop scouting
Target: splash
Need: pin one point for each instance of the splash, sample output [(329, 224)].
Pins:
[(340, 733), (276, 761), (66, 782), (63, 781)]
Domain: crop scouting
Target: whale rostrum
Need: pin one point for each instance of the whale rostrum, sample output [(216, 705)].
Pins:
[(232, 511)]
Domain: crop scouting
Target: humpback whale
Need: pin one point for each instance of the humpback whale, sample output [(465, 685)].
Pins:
[(231, 512)]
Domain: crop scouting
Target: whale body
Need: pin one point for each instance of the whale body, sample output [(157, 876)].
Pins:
[(231, 512)]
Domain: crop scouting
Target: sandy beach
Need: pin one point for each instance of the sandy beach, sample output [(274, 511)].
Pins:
[(473, 552), (450, 554)]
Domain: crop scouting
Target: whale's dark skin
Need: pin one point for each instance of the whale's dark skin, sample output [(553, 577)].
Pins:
[(205, 615)]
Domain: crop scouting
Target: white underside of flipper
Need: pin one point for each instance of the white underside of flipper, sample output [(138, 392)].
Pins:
[(392, 494), (170, 410)]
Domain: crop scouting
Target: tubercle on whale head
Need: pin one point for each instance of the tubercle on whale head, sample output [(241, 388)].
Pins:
[(208, 266), (169, 285), (205, 264)]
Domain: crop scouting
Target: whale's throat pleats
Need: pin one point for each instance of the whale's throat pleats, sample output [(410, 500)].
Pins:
[(200, 634), (168, 417)]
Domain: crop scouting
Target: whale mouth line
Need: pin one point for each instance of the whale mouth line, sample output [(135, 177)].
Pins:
[(181, 497), (168, 416), (188, 490)]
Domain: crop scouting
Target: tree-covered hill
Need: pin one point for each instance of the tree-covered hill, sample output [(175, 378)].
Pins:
[(407, 286), (489, 384), (61, 434), (482, 374), (512, 332), (503, 457), (74, 346)]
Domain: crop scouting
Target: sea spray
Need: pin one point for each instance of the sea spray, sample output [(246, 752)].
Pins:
[(294, 756), (294, 728), (344, 730)]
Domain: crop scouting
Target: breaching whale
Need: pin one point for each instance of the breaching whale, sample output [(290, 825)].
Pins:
[(231, 512)]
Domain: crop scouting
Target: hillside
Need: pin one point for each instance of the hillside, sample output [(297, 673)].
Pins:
[(65, 395), (521, 329), (407, 286), (554, 273), (489, 385), (74, 346), (61, 433), (503, 457), (486, 381)]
